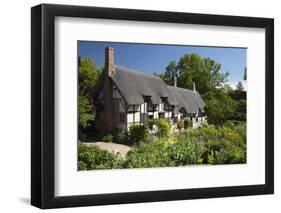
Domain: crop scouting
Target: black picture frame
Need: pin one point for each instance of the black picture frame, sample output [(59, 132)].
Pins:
[(43, 117)]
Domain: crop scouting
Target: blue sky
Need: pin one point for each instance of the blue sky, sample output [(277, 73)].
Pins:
[(152, 58)]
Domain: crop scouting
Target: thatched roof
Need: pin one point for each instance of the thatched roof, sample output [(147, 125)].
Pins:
[(189, 100), (134, 85)]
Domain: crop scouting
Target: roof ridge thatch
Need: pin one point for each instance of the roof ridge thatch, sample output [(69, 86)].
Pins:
[(137, 72), (181, 88)]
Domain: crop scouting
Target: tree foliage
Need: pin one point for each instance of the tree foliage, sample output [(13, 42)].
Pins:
[(205, 72), (220, 106), (239, 87), (88, 76), (84, 110), (171, 70)]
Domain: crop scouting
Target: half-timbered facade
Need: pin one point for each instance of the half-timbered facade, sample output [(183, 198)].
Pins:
[(124, 97)]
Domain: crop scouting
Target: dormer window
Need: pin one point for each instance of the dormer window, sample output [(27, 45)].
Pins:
[(147, 99)]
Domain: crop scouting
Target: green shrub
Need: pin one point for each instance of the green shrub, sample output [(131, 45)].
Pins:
[(163, 128), (229, 124), (236, 155), (224, 145), (147, 155), (82, 165), (224, 152), (107, 138), (92, 157), (182, 152), (166, 140), (138, 133), (207, 145), (241, 129), (121, 136), (210, 133), (229, 155), (161, 153), (235, 137)]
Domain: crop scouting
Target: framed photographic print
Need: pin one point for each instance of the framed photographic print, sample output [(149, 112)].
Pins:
[(139, 106)]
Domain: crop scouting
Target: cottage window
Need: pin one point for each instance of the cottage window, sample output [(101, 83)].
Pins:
[(134, 108), (161, 115), (167, 107)]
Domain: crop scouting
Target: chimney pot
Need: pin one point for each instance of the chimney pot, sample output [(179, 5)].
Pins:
[(194, 88), (174, 80)]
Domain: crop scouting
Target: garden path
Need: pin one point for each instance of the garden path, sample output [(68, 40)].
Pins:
[(114, 148)]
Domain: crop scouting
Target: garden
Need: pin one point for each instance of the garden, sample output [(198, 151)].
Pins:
[(209, 144)]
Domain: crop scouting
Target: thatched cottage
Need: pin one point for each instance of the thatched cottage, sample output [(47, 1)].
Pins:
[(124, 97)]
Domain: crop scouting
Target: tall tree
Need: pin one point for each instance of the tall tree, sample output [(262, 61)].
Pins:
[(206, 73), (239, 93), (84, 110), (88, 76), (239, 87), (220, 106), (171, 70)]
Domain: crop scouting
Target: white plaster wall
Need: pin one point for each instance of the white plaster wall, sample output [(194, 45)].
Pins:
[(137, 117), (130, 117)]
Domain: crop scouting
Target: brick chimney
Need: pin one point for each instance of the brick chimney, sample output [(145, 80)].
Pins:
[(107, 121), (174, 80), (109, 60)]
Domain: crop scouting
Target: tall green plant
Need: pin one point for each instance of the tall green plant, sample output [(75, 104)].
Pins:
[(88, 76), (84, 111), (138, 133)]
